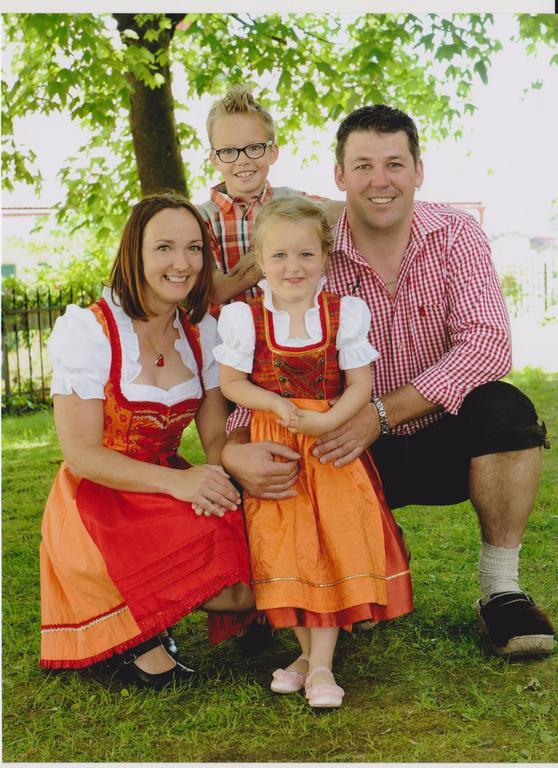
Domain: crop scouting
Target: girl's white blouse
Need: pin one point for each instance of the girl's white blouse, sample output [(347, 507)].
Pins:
[(80, 355), (238, 338)]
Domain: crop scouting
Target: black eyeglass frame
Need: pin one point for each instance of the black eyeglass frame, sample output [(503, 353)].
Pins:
[(264, 144)]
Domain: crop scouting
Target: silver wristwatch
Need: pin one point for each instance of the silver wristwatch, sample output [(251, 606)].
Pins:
[(384, 426)]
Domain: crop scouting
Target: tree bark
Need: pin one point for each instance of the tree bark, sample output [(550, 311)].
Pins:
[(152, 121)]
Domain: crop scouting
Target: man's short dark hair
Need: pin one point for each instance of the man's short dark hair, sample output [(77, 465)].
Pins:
[(379, 118)]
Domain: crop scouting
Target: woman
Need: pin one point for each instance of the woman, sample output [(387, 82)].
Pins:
[(124, 554)]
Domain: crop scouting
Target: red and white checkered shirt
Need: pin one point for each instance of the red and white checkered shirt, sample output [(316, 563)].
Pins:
[(447, 329), (230, 222)]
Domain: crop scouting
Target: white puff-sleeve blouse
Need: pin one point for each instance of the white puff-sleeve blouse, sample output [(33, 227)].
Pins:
[(237, 333), (80, 355)]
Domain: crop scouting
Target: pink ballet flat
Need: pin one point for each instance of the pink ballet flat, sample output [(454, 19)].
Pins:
[(287, 680), (323, 695)]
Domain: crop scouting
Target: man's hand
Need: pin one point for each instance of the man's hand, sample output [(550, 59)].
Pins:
[(346, 443), (253, 465)]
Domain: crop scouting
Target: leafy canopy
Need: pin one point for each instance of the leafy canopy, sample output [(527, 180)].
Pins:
[(306, 68)]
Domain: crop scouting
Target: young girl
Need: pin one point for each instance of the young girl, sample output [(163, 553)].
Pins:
[(330, 556)]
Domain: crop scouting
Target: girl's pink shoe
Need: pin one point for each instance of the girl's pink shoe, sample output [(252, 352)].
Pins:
[(287, 680), (323, 695)]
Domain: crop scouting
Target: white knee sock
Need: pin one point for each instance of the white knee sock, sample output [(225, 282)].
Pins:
[(498, 570)]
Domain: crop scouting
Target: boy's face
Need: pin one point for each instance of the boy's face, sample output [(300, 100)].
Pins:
[(245, 177)]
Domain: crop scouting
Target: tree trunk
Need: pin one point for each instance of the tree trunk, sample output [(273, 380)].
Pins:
[(156, 145)]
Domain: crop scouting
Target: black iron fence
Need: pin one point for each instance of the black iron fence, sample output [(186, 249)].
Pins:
[(28, 318)]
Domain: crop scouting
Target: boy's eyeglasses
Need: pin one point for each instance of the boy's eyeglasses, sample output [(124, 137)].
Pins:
[(252, 151)]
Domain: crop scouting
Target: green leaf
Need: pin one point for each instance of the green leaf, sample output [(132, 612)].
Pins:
[(480, 67), (130, 34), (446, 52)]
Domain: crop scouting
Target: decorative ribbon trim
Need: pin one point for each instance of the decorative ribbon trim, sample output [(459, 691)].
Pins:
[(82, 625), (332, 583)]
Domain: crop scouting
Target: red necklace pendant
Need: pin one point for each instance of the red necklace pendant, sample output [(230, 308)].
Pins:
[(160, 360)]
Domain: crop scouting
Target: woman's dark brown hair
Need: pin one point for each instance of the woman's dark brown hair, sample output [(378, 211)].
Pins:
[(127, 278)]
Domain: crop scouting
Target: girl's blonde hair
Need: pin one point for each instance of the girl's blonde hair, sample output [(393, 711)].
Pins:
[(293, 208), (239, 101)]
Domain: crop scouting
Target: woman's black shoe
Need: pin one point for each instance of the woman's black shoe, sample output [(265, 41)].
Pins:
[(131, 673)]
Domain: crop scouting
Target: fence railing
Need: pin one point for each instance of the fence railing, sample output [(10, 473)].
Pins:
[(27, 321)]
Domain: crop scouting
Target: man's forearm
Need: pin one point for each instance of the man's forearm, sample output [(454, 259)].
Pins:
[(405, 404)]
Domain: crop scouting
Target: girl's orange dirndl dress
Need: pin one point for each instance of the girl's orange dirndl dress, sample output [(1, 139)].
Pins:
[(332, 555), (119, 567)]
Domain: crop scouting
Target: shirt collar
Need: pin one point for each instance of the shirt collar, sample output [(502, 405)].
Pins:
[(343, 240), (219, 197), (268, 297), (427, 218)]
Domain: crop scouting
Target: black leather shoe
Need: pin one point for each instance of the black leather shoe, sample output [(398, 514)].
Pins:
[(131, 673), (515, 625)]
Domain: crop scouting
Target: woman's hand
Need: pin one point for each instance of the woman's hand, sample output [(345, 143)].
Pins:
[(207, 488)]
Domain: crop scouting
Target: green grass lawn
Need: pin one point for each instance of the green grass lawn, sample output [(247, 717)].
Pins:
[(421, 688)]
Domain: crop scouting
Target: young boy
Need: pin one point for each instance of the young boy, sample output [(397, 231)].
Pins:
[(242, 137)]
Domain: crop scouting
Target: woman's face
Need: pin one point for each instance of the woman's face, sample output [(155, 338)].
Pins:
[(172, 255)]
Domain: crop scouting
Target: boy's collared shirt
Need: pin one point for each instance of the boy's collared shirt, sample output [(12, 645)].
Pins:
[(230, 222)]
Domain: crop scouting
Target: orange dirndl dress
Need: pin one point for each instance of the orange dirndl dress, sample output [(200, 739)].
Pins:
[(119, 567), (332, 555)]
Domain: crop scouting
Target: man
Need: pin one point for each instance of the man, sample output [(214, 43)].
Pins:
[(440, 426)]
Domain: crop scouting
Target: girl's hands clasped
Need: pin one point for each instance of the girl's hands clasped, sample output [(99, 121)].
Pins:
[(311, 423), (285, 410), (207, 488)]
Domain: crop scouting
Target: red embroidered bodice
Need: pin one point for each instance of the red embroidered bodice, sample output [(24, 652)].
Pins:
[(148, 431), (305, 372)]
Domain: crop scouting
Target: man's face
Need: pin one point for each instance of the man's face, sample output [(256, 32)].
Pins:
[(244, 177), (379, 177)]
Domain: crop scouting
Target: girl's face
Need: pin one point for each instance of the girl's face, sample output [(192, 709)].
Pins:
[(172, 255), (291, 257)]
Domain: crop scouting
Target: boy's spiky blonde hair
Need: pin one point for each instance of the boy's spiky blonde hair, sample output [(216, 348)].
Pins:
[(239, 101)]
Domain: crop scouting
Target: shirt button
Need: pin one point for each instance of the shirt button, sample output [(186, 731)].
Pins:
[(401, 346)]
